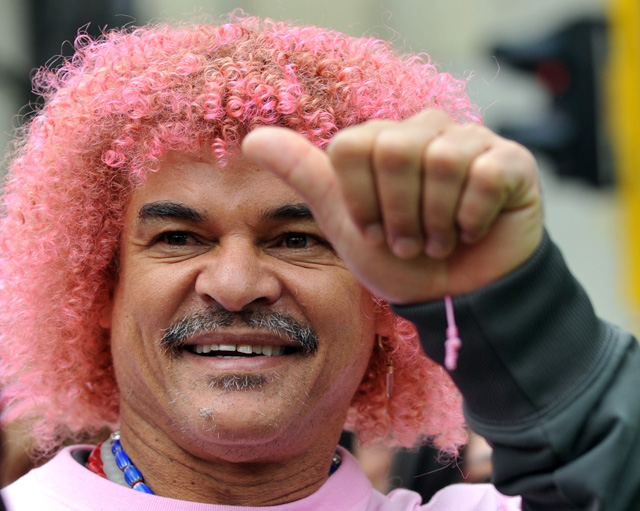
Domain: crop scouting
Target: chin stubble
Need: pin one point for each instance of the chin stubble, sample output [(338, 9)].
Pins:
[(232, 382)]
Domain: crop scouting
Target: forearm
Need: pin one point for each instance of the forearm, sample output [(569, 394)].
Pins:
[(547, 383)]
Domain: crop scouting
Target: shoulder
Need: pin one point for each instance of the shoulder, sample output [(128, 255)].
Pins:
[(54, 483), (457, 497)]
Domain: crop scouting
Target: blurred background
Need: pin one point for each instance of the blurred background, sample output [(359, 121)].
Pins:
[(540, 71), (560, 76)]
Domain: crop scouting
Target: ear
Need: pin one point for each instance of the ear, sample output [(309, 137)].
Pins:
[(106, 313)]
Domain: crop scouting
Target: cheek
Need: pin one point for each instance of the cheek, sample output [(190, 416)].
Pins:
[(330, 297), (342, 312), (148, 298), (144, 303)]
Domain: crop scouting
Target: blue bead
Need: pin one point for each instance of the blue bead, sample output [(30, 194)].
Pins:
[(116, 446), (132, 475), (122, 460), (143, 488)]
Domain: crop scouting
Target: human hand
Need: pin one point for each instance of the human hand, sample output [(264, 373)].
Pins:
[(417, 209)]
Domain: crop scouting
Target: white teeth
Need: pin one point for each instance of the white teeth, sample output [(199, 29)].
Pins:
[(269, 351)]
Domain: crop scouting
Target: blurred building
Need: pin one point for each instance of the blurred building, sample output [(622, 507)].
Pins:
[(585, 222)]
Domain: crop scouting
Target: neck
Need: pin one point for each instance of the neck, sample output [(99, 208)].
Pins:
[(232, 475)]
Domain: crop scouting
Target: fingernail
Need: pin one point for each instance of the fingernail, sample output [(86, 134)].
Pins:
[(405, 247), (437, 247), (468, 237)]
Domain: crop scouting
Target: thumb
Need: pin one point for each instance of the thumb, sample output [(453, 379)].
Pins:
[(306, 168)]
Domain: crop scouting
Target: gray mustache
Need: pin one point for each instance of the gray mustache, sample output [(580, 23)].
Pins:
[(214, 319)]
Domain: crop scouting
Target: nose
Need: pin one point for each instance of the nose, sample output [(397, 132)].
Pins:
[(236, 275)]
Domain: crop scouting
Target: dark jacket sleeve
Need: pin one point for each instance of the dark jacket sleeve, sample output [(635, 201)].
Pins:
[(555, 390)]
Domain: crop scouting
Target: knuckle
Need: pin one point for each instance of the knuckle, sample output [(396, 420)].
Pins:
[(434, 115), (516, 149), (524, 160), (393, 141), (346, 147), (444, 161), (488, 177), (355, 141), (475, 130), (394, 152)]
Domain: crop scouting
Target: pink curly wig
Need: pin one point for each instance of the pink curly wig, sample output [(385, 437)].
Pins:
[(110, 114)]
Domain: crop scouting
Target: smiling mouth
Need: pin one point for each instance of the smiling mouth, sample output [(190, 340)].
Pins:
[(277, 334), (240, 350)]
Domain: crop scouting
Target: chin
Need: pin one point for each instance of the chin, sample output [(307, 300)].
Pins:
[(231, 440)]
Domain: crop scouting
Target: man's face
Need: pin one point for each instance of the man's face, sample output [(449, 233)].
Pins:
[(233, 321)]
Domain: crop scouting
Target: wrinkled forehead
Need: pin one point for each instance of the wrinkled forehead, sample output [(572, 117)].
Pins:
[(201, 182)]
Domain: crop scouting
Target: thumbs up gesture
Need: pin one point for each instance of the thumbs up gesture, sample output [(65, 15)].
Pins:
[(417, 209)]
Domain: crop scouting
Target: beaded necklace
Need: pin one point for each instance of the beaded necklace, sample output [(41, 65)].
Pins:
[(109, 460)]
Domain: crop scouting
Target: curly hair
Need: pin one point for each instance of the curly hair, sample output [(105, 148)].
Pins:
[(110, 114)]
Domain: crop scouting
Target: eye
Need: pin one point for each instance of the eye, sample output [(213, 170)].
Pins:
[(176, 238), (298, 240), (300, 247)]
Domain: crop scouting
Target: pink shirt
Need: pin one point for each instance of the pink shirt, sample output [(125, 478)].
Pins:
[(63, 484)]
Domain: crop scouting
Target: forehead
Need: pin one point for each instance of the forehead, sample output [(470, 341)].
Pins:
[(202, 182)]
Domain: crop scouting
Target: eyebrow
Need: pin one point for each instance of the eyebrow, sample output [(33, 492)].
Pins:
[(179, 211), (168, 209), (289, 212)]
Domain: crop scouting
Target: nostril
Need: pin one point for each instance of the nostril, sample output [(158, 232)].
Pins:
[(236, 277)]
